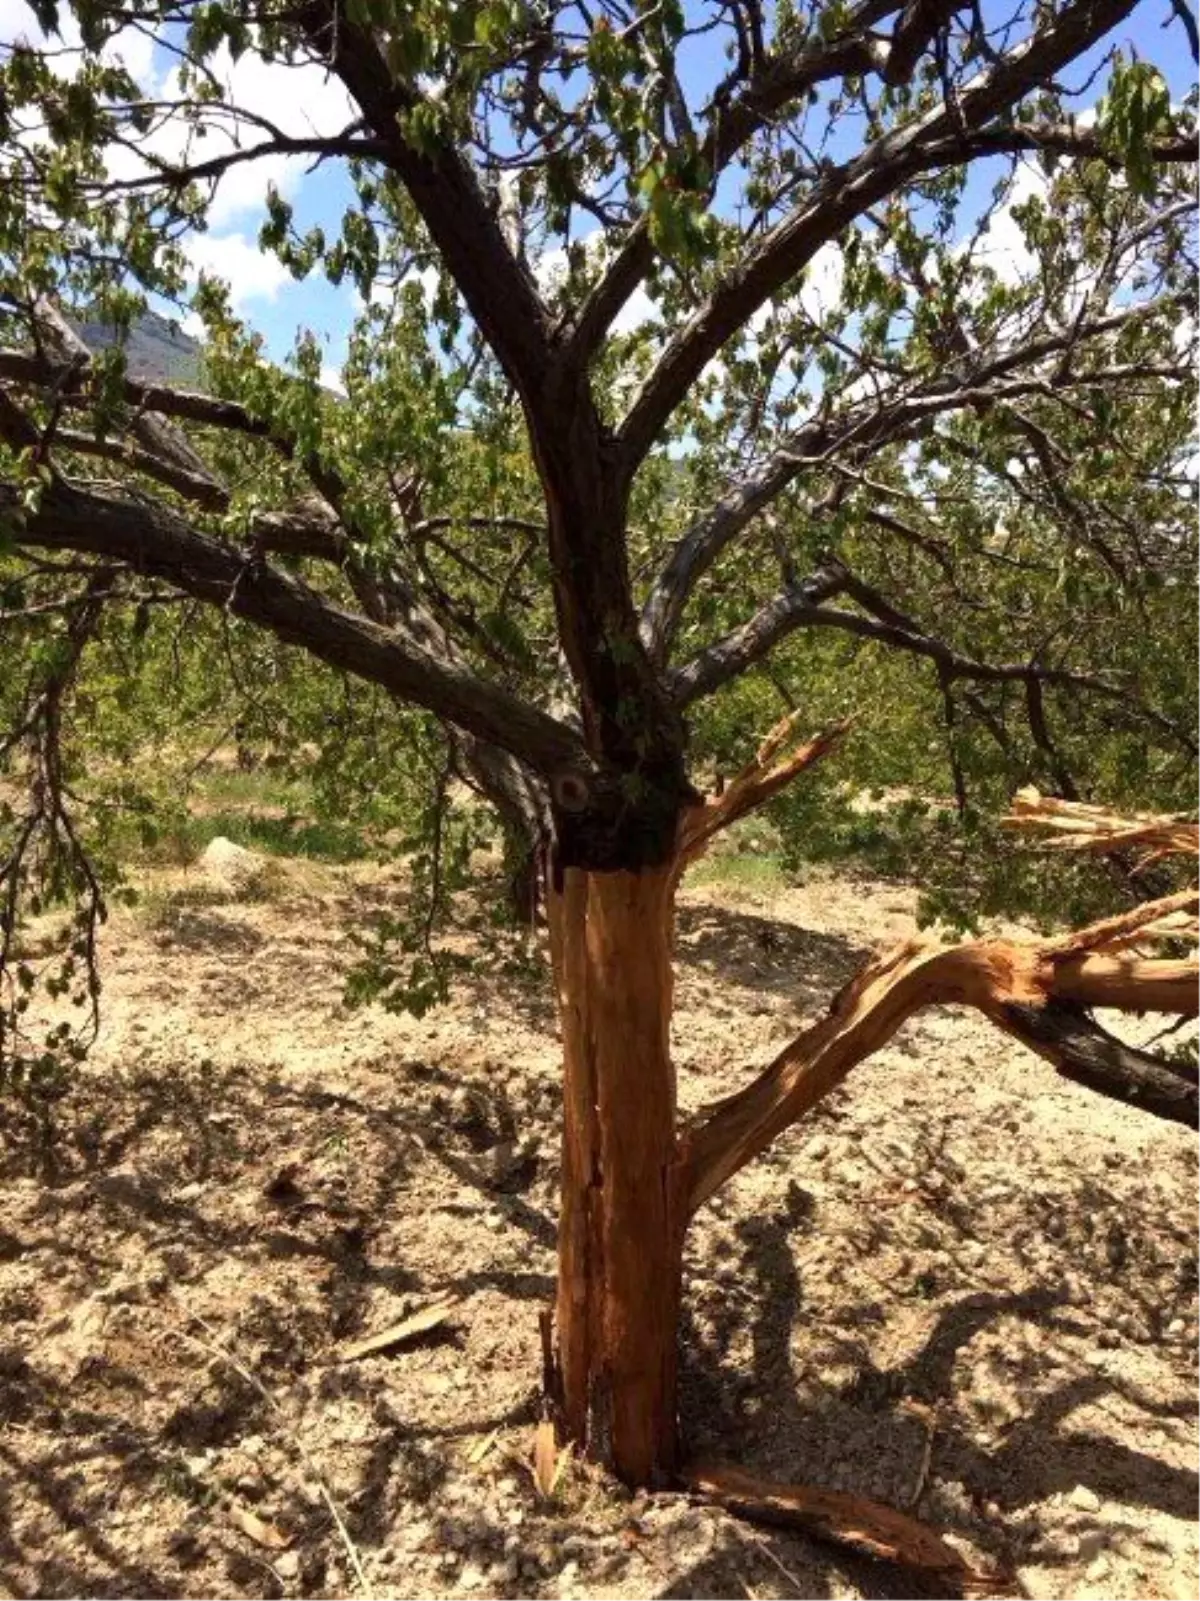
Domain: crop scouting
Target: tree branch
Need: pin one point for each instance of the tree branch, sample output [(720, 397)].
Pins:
[(943, 136), (498, 288), (153, 540), (760, 781), (1033, 990), (868, 427), (735, 119)]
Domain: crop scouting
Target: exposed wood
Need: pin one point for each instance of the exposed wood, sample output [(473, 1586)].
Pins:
[(1075, 826), (846, 1519), (1033, 990), (757, 783), (420, 1323), (622, 1218), (258, 1529)]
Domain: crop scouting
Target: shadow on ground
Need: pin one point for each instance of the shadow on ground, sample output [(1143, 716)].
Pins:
[(333, 1183)]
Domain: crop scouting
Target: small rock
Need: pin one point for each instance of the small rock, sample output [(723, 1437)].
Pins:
[(287, 1564), (816, 1150), (1085, 1499), (1176, 1326), (471, 1578), (233, 868), (569, 1573), (1099, 1569)]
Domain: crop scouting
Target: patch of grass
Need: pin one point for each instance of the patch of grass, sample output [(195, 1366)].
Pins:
[(259, 788), (741, 870), (318, 839)]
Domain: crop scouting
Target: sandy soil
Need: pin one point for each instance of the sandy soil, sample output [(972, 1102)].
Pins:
[(964, 1286)]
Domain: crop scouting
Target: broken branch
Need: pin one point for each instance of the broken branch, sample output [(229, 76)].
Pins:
[(757, 783), (1035, 990), (1074, 826)]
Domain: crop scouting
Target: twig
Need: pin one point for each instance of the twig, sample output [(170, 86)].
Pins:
[(929, 1417), (756, 1540)]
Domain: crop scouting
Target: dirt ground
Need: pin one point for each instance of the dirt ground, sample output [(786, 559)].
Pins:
[(964, 1286)]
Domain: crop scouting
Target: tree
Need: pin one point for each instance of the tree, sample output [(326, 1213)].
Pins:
[(550, 529)]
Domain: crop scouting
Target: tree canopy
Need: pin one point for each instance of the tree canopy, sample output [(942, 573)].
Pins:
[(710, 359)]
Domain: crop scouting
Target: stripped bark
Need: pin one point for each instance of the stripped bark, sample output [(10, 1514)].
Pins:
[(1034, 990), (845, 1519), (1074, 826), (622, 1214)]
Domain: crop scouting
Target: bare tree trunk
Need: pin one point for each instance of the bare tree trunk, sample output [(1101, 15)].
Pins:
[(623, 1214)]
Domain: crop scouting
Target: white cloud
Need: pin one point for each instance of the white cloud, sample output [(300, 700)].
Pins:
[(550, 270), (17, 23), (251, 273), (133, 48), (331, 378), (638, 309), (300, 102), (823, 280), (1003, 246)]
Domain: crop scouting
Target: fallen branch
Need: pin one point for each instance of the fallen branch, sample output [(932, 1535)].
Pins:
[(847, 1520), (1075, 826)]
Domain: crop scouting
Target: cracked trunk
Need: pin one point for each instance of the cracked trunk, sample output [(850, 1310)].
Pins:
[(622, 1220)]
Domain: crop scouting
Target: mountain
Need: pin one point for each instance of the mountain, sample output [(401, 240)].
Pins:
[(156, 349)]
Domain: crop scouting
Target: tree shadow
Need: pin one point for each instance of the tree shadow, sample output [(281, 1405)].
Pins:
[(763, 953), (198, 929), (859, 1437)]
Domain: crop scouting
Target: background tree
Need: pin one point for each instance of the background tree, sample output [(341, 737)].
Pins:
[(557, 527)]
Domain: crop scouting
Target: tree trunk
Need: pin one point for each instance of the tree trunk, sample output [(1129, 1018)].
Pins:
[(623, 1217)]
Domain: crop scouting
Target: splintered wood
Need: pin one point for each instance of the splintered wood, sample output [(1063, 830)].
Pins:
[(1039, 991), (1074, 826), (757, 783)]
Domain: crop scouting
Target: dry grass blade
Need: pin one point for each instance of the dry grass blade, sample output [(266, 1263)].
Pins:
[(846, 1519), (402, 1333), (261, 1532), (483, 1448), (1074, 826)]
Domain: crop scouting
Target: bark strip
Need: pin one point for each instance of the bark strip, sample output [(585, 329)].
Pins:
[(845, 1519)]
